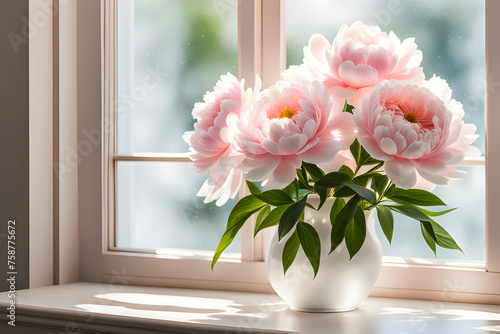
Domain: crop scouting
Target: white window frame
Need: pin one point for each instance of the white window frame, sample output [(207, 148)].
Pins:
[(264, 35)]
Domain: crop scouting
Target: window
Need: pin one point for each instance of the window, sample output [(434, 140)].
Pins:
[(143, 163)]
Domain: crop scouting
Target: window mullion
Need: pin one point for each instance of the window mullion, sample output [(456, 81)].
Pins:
[(273, 41), (249, 40), (492, 118), (261, 35), (249, 65)]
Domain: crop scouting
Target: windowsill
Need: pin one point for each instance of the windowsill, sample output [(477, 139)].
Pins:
[(123, 309)]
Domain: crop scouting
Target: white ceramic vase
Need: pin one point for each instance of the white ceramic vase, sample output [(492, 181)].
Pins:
[(340, 284)]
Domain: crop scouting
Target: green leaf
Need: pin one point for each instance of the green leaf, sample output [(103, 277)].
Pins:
[(323, 194), (437, 213), (386, 221), (290, 217), (310, 206), (362, 180), (302, 175), (443, 238), (291, 189), (246, 207), (311, 244), (344, 192), (356, 151), (366, 193), (336, 208), (341, 220), (409, 211), (361, 156), (379, 183), (415, 197), (348, 108), (438, 234), (254, 190), (333, 179), (275, 197), (262, 216), (428, 238), (355, 232), (290, 251), (242, 209), (346, 170), (390, 190), (272, 219), (304, 192), (314, 171)]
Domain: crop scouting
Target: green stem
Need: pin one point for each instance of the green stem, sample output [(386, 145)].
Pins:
[(389, 184), (297, 185), (375, 168), (382, 196)]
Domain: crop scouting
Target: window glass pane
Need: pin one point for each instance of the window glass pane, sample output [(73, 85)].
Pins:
[(451, 36), (157, 208), (169, 54)]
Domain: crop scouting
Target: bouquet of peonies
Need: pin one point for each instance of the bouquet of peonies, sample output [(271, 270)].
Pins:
[(356, 121)]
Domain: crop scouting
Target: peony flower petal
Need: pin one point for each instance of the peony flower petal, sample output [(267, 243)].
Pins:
[(424, 184), (382, 131), (271, 146), (317, 46), (276, 131), (400, 142), (439, 87), (372, 147), (291, 144), (310, 128), (324, 151), (432, 177), (260, 169), (284, 173), (401, 172), (416, 150), (358, 76), (388, 146)]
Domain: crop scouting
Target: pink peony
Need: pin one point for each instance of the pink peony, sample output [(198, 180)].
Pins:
[(212, 142), (417, 130), (360, 58), (290, 123)]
